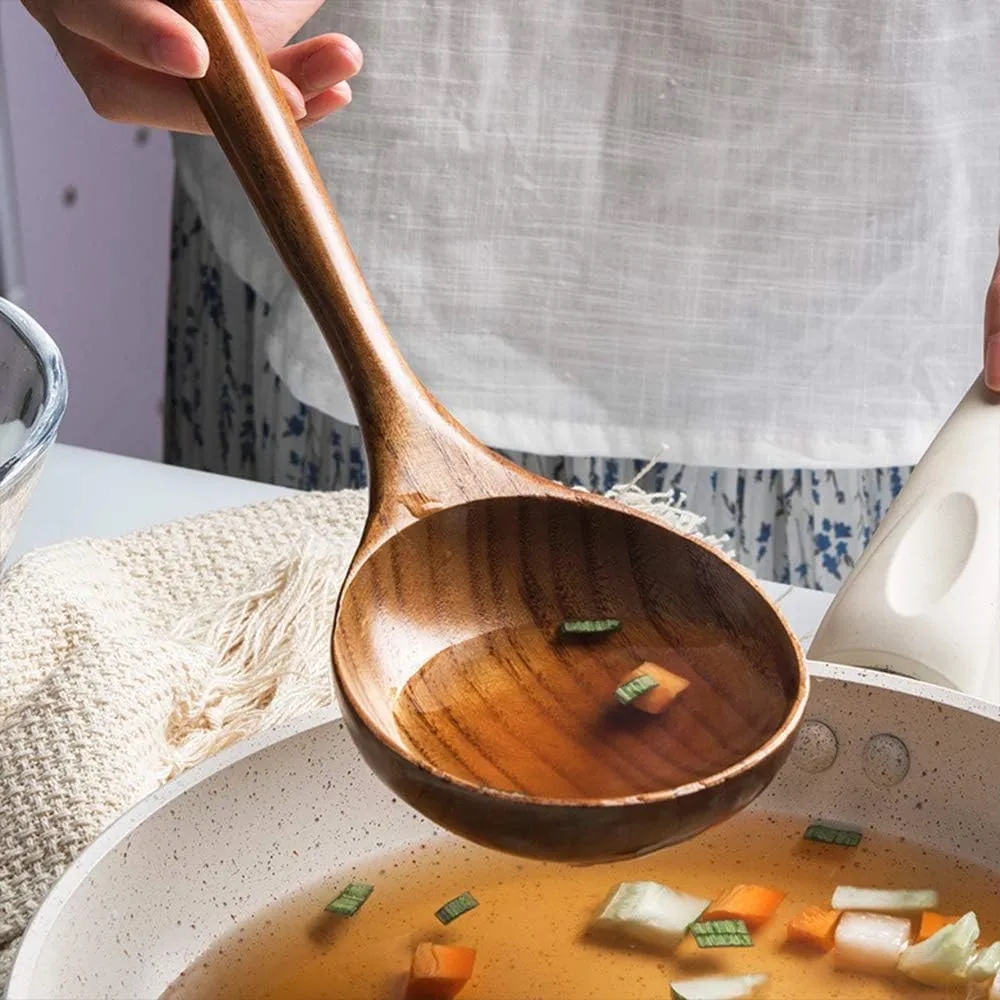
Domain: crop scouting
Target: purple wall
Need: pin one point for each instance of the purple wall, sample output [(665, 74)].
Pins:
[(94, 203)]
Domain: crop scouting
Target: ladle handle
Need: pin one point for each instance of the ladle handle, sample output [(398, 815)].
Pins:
[(415, 448)]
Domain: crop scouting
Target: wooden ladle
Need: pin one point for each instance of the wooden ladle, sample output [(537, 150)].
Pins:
[(452, 679)]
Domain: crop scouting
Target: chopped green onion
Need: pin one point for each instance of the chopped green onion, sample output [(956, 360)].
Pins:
[(630, 690), (721, 934), (453, 909), (597, 626), (717, 987), (351, 899), (847, 897), (830, 833)]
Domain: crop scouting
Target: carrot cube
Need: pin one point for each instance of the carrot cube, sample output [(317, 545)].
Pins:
[(814, 926), (654, 700), (439, 971), (931, 923), (753, 904)]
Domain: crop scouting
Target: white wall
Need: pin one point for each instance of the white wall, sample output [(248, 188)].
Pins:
[(95, 270)]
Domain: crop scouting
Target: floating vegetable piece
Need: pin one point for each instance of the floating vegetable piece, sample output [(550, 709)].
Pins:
[(994, 993), (649, 913), (870, 942), (942, 959), (439, 971), (847, 897), (650, 688), (454, 908), (833, 833), (931, 923), (814, 927), (350, 899), (717, 987), (985, 964), (753, 904), (721, 934), (586, 627), (634, 686)]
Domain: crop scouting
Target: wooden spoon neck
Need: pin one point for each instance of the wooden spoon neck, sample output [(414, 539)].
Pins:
[(422, 461)]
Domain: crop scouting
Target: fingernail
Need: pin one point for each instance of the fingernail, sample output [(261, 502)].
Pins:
[(180, 56), (322, 70), (352, 48), (992, 365), (293, 95), (319, 72)]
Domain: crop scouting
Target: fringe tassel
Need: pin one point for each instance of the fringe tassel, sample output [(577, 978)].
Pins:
[(267, 658), (670, 507)]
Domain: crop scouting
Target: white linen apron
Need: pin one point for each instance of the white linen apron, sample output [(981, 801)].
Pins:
[(758, 233)]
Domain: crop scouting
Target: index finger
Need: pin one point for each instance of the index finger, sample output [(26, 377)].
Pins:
[(147, 33)]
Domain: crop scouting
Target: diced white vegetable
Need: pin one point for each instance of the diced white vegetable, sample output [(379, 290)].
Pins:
[(717, 987), (942, 959), (847, 897), (649, 913), (985, 964), (870, 942)]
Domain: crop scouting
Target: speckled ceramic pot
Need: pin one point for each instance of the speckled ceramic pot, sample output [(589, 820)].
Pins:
[(217, 845)]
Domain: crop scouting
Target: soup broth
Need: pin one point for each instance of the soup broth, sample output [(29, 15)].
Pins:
[(562, 734), (530, 928)]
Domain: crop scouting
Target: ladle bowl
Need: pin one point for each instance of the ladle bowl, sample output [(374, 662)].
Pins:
[(528, 751), (452, 677)]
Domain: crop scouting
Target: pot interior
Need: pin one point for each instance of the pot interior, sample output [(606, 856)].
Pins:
[(282, 813)]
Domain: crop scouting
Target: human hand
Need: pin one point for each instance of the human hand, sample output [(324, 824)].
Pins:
[(133, 57), (991, 332)]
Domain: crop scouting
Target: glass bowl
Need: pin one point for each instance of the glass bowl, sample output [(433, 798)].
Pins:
[(32, 404)]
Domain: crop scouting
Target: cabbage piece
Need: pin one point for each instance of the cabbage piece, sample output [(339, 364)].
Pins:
[(985, 964), (649, 913), (942, 959), (849, 897), (717, 987), (995, 990)]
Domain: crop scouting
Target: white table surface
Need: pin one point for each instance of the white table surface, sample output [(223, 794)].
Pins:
[(90, 494)]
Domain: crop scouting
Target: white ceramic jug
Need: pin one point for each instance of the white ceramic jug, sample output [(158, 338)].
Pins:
[(924, 599)]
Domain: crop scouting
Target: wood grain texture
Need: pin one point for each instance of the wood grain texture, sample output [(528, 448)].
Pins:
[(449, 678), (511, 736)]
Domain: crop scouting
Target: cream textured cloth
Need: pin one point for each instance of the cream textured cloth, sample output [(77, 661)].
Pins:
[(123, 662), (759, 232)]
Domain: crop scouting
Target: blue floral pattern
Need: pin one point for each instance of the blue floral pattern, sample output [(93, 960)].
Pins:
[(228, 412)]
